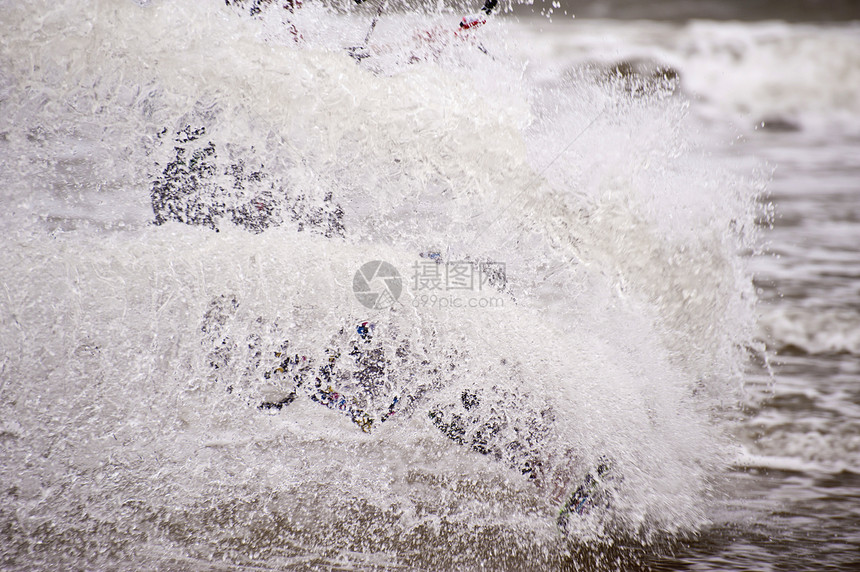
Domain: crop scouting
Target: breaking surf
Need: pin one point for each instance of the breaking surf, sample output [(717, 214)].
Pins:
[(205, 369)]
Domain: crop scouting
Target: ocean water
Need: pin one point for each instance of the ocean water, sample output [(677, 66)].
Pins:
[(612, 247)]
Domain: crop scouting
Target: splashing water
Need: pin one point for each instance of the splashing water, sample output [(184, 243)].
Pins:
[(189, 190)]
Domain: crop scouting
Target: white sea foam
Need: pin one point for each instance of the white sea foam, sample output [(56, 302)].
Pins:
[(784, 75), (814, 331), (626, 310)]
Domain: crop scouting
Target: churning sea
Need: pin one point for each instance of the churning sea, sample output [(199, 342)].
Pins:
[(627, 240)]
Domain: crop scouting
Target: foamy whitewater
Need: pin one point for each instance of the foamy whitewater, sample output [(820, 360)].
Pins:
[(148, 416)]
